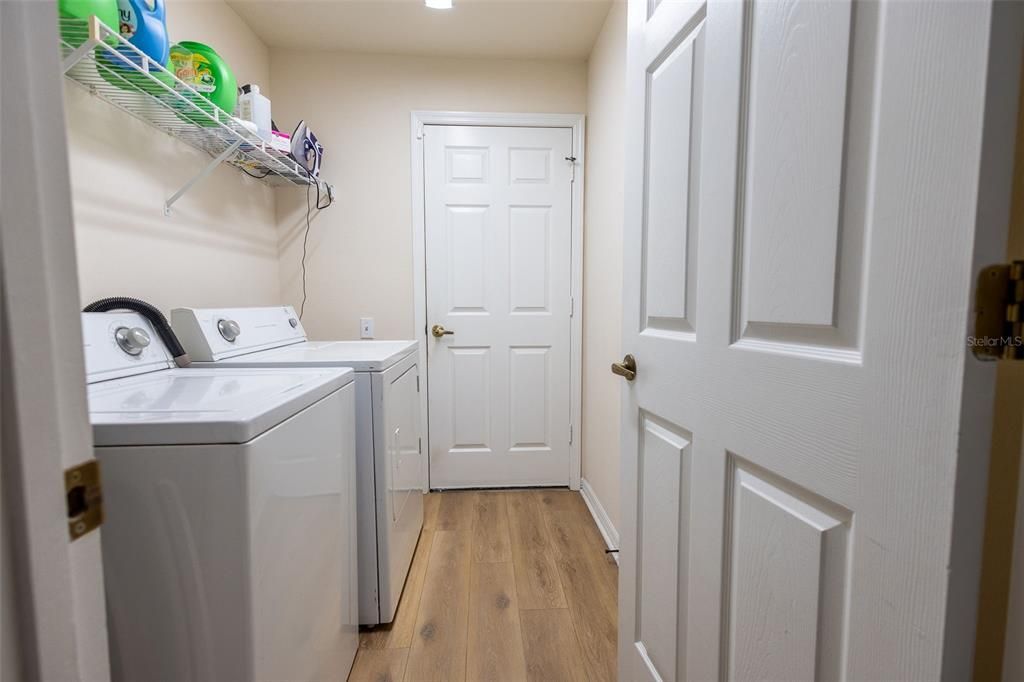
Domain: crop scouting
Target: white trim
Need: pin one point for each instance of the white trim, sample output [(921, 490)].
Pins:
[(577, 123), (604, 524), (58, 604)]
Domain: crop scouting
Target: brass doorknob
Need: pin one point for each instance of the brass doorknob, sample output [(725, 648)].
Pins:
[(438, 331), (626, 368)]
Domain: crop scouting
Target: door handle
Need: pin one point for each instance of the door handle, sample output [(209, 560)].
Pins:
[(438, 331), (626, 368)]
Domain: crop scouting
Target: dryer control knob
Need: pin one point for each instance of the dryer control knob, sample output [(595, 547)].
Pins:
[(293, 322), (132, 340), (229, 329)]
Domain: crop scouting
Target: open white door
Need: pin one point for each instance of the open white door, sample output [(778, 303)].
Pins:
[(809, 195), (54, 624)]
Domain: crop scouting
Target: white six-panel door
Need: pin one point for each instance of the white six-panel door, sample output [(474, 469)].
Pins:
[(498, 237), (801, 211)]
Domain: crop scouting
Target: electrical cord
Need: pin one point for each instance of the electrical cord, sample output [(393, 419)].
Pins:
[(253, 175), (305, 240), (330, 196), (310, 181), (243, 168)]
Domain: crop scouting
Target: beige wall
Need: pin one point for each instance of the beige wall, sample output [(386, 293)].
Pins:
[(602, 254), (219, 246), (359, 260)]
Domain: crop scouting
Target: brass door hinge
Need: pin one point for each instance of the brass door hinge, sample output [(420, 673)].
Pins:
[(998, 313), (84, 493)]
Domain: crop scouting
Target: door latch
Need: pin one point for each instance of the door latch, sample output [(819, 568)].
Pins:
[(83, 491)]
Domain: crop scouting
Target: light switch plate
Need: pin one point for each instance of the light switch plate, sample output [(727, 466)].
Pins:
[(366, 327)]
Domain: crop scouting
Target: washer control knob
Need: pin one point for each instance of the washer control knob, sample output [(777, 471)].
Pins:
[(132, 340), (229, 329), (293, 322)]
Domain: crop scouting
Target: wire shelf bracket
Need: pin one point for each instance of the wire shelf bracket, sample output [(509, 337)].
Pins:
[(218, 160), (96, 58)]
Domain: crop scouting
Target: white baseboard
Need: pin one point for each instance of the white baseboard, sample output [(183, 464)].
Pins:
[(604, 524)]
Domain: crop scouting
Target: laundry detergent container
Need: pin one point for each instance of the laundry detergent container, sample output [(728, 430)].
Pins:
[(74, 15), (143, 24), (201, 68)]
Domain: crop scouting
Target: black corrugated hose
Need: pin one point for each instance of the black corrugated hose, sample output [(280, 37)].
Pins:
[(151, 313)]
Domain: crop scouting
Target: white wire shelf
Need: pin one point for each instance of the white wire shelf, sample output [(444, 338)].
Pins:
[(98, 59)]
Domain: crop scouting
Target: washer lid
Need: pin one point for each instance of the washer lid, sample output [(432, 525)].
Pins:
[(362, 356), (195, 406)]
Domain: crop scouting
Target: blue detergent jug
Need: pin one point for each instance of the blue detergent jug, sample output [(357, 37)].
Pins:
[(143, 24)]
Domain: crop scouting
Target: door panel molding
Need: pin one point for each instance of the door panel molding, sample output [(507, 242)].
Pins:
[(812, 570), (528, 167), (815, 308)]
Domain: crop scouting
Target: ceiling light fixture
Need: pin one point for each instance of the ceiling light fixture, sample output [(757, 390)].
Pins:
[(438, 4)]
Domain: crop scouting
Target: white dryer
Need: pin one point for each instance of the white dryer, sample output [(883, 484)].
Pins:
[(229, 512), (390, 460)]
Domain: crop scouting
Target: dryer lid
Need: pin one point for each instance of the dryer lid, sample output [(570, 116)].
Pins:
[(203, 406)]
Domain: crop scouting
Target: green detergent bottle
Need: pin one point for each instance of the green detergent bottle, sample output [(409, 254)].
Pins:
[(74, 14), (200, 67)]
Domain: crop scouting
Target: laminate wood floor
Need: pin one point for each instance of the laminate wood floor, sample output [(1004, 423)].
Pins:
[(505, 585)]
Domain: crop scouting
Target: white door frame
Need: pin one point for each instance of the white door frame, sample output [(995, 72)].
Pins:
[(463, 118)]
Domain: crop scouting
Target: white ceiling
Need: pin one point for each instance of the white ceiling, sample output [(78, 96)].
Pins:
[(523, 29)]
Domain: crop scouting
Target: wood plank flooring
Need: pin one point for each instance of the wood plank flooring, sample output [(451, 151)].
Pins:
[(505, 585)]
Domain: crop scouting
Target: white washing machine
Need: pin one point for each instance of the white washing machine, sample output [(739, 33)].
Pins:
[(229, 549), (389, 453)]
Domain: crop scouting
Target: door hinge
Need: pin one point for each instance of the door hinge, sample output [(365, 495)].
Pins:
[(417, 383), (572, 165), (83, 491), (420, 446), (570, 434), (572, 306), (999, 313)]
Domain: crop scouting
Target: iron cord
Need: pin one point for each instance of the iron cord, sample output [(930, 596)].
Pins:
[(305, 237), (320, 205)]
